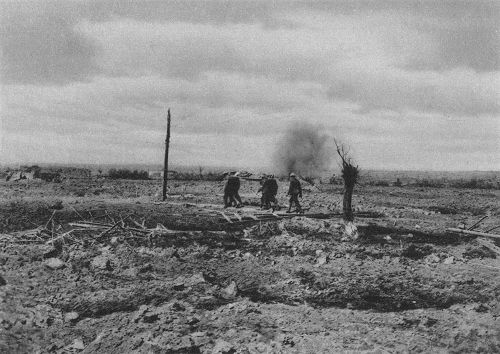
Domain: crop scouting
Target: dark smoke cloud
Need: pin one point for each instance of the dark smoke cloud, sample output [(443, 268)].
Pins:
[(304, 150)]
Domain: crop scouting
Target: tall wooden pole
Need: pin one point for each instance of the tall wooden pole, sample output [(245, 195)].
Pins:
[(165, 166)]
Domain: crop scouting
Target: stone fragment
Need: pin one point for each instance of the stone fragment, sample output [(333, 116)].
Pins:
[(101, 262), (223, 347), (71, 317), (449, 260), (322, 260), (54, 263), (231, 290), (78, 344), (195, 279)]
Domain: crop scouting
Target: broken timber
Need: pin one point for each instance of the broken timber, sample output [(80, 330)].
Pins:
[(475, 233), (258, 217)]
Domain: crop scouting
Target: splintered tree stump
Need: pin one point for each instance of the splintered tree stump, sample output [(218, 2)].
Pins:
[(347, 203)]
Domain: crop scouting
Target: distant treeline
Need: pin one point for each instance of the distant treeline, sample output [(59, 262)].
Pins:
[(464, 183), (194, 176), (127, 174), (472, 183)]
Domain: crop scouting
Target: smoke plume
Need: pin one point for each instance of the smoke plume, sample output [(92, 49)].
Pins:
[(304, 150)]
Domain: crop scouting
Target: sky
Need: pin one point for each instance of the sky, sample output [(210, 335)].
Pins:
[(411, 85)]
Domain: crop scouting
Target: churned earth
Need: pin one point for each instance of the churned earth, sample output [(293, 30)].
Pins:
[(291, 286)]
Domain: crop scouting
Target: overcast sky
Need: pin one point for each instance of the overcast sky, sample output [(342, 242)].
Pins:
[(407, 84)]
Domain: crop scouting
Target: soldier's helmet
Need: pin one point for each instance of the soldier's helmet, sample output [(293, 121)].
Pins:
[(293, 175)]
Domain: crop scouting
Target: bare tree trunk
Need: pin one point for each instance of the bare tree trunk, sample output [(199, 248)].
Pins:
[(347, 204), (165, 166)]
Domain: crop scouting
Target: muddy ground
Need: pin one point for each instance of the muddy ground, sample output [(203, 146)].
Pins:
[(406, 285)]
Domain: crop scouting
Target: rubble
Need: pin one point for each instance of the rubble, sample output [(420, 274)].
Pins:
[(151, 288)]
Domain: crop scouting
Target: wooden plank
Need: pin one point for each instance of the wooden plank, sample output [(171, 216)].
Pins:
[(87, 225), (226, 217), (475, 233)]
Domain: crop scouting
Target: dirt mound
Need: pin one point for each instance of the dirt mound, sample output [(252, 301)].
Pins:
[(480, 251), (417, 252), (280, 286), (389, 292)]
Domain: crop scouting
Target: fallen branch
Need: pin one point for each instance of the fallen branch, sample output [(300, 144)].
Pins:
[(60, 237), (477, 223), (50, 219), (77, 213), (475, 233), (109, 229)]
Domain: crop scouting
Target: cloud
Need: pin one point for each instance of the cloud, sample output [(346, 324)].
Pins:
[(40, 46), (357, 59), (398, 82), (459, 91)]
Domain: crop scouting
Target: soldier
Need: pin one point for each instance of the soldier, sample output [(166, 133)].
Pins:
[(268, 191), (294, 191), (231, 189), (272, 190), (236, 195)]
